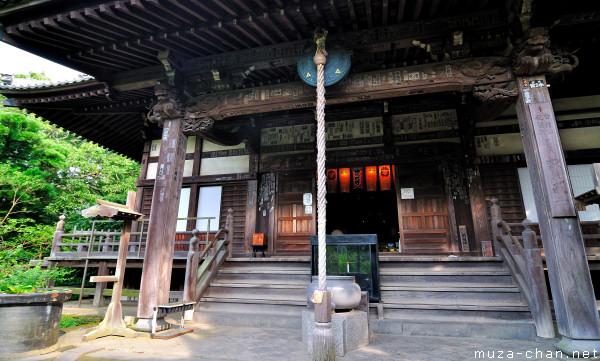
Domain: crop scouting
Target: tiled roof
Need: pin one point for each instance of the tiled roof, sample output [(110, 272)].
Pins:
[(30, 84)]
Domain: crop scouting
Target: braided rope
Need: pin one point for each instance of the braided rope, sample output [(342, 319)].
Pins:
[(321, 177)]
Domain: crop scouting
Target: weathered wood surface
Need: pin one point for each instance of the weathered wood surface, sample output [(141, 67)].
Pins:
[(251, 209), (156, 274), (113, 320), (540, 306), (478, 210), (527, 268), (568, 271), (100, 286), (459, 76)]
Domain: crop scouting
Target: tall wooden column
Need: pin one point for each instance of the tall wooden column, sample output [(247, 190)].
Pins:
[(571, 285), (158, 259)]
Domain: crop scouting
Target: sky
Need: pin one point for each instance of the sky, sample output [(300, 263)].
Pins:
[(17, 61)]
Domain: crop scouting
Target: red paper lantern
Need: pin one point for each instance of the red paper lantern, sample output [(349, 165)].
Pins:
[(332, 175), (344, 180), (357, 178), (371, 178), (385, 177)]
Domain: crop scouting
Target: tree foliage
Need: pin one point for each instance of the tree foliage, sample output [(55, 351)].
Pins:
[(45, 172)]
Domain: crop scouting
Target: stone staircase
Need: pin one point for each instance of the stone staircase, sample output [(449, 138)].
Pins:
[(427, 296), (450, 296), (258, 292)]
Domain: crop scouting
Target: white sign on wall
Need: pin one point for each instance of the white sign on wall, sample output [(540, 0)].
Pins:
[(407, 193)]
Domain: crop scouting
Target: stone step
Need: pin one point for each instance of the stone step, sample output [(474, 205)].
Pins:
[(257, 320), (444, 272), (464, 306), (279, 301), (450, 297), (441, 267), (257, 293), (486, 278), (453, 286), (454, 314), (266, 270), (294, 285), (210, 304), (263, 278), (480, 330)]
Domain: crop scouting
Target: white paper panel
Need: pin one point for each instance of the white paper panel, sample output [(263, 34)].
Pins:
[(151, 172), (188, 168), (184, 203), (225, 165), (209, 205), (212, 147)]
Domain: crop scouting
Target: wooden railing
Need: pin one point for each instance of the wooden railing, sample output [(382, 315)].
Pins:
[(525, 262), (590, 229), (97, 243), (199, 276)]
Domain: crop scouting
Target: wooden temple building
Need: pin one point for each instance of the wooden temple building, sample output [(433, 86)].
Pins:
[(448, 124)]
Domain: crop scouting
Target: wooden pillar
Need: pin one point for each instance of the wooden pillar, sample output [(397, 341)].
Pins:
[(478, 210), (158, 259), (571, 285), (100, 286), (250, 216)]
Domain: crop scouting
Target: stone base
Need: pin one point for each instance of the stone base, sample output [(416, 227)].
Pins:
[(589, 349), (145, 324), (350, 330)]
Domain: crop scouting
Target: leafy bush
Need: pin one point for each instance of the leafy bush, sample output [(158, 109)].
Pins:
[(72, 321), (26, 279)]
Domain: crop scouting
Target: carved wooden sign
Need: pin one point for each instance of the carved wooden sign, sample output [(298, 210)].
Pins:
[(552, 164), (460, 75)]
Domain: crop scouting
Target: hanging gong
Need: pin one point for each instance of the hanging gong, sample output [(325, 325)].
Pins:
[(336, 68)]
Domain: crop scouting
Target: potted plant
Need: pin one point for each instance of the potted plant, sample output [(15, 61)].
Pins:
[(30, 316)]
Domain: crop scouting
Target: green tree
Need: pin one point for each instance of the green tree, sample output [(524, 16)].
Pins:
[(45, 172)]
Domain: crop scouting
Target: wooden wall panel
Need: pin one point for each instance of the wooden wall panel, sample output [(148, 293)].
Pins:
[(235, 196), (502, 182)]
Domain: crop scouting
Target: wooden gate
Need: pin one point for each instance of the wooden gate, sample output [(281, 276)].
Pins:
[(293, 226)]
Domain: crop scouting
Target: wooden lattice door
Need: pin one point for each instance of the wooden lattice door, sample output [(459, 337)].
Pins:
[(293, 224)]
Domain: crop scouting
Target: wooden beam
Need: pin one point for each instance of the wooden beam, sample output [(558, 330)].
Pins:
[(228, 9), (120, 5), (459, 75), (417, 12), (384, 12), (292, 26), (352, 14), (370, 40), (260, 29), (369, 12), (188, 10), (400, 14)]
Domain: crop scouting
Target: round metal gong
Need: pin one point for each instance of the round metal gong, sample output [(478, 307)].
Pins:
[(336, 68)]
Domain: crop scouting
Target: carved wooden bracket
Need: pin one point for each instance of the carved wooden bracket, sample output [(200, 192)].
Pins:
[(168, 106), (535, 56), (205, 127)]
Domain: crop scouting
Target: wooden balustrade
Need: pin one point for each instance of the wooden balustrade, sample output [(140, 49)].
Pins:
[(105, 244), (525, 262), (198, 276)]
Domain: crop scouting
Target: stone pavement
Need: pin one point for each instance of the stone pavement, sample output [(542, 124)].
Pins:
[(264, 344)]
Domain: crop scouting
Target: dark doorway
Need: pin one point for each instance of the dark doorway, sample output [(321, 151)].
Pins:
[(361, 212)]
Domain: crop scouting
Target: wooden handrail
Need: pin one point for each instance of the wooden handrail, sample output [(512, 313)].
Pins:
[(514, 241), (198, 276), (525, 263)]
